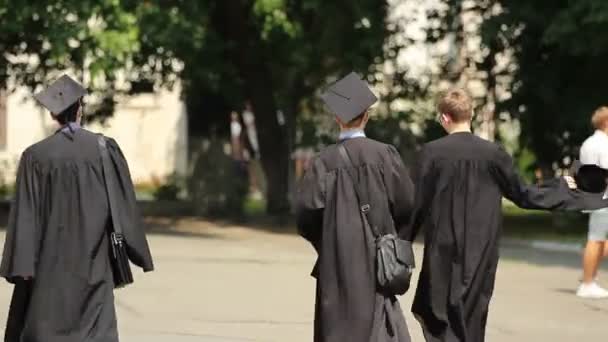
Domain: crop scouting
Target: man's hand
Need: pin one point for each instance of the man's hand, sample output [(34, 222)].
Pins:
[(571, 182)]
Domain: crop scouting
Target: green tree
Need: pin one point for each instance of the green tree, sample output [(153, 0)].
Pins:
[(274, 53), (558, 51), (41, 37)]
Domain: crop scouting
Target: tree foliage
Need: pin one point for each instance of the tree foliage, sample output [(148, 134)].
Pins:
[(557, 51), (40, 38), (274, 53), (560, 51)]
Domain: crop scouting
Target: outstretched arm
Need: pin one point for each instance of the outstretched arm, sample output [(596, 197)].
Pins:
[(553, 195)]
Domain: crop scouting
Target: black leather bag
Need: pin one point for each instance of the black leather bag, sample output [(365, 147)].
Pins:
[(119, 259), (394, 256)]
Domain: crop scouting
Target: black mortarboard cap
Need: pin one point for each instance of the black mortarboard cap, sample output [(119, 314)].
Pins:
[(590, 177), (349, 97), (60, 95)]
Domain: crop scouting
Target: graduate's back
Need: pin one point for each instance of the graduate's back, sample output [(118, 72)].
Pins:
[(465, 169), (381, 172), (66, 171), (458, 203), (465, 179), (462, 146), (459, 191), (329, 216), (67, 145), (58, 235), (459, 188), (462, 191)]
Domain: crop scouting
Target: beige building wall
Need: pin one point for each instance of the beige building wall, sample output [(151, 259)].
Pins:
[(151, 129)]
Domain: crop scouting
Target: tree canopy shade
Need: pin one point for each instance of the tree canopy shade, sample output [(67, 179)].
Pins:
[(560, 48), (273, 53), (41, 37)]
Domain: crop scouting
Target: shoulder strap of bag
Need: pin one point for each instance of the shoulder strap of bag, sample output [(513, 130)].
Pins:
[(109, 180), (364, 203)]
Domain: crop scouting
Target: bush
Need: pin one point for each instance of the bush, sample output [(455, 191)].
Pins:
[(171, 190), (217, 185)]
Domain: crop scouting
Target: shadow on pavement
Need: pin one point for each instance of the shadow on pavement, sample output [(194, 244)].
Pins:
[(540, 257), (569, 291), (176, 227), (201, 226)]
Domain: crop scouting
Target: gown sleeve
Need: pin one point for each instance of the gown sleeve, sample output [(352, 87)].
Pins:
[(310, 202), (23, 232), (552, 195), (400, 190), (424, 185), (137, 244)]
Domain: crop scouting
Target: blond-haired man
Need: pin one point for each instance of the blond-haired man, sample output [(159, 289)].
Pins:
[(595, 151), (460, 183)]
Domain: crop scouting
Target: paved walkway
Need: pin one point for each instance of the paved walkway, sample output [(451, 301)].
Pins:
[(230, 284)]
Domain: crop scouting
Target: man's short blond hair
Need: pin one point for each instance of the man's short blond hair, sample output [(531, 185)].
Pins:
[(456, 103), (599, 120)]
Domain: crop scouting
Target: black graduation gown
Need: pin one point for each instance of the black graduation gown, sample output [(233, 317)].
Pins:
[(348, 308), (58, 236), (460, 182)]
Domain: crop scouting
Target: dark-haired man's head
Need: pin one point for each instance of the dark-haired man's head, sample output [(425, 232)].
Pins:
[(63, 98), (349, 100), (358, 122), (72, 114)]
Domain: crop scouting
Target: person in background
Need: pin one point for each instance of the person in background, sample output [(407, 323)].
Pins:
[(236, 136), (595, 151), (57, 248), (238, 188), (252, 134), (255, 188)]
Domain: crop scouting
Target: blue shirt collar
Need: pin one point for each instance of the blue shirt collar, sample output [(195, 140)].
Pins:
[(353, 133), (69, 130), (71, 127)]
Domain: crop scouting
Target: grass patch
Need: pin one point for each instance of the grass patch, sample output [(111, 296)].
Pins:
[(254, 207), (145, 191), (543, 225)]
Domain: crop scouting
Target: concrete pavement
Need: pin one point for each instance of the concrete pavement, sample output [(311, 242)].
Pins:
[(230, 284)]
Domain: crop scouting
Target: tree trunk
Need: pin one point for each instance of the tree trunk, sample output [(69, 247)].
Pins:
[(3, 112), (249, 56), (488, 121), (3, 117), (290, 109), (274, 146)]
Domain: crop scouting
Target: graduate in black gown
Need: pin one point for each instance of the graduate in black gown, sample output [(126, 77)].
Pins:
[(460, 182), (348, 304), (57, 247)]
